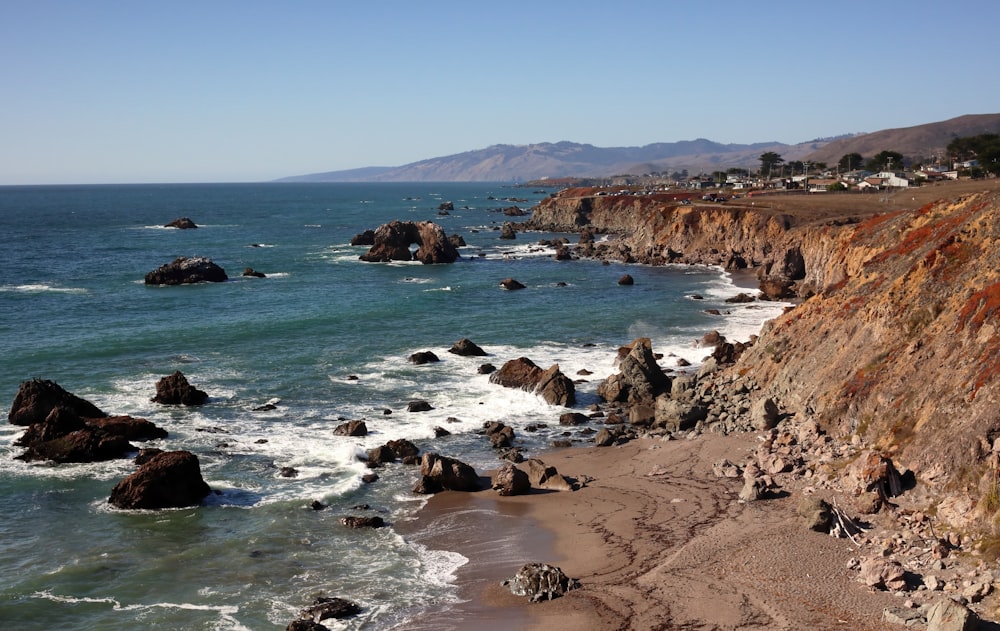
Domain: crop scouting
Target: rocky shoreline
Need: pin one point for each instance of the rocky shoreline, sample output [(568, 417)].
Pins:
[(904, 480)]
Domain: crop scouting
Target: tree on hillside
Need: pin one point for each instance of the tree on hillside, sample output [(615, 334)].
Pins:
[(769, 160), (850, 162), (885, 161), (985, 148)]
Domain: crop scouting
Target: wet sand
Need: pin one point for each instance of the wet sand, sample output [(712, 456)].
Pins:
[(657, 542)]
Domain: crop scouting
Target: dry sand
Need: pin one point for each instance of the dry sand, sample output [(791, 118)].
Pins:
[(657, 542)]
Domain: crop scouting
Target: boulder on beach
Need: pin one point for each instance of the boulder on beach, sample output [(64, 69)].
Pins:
[(509, 480), (171, 479), (440, 473), (187, 270), (175, 390), (540, 581)]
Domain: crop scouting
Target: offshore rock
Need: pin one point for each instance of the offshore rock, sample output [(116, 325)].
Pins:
[(175, 390), (466, 348), (552, 385), (187, 270), (392, 241), (171, 479), (182, 223), (35, 400)]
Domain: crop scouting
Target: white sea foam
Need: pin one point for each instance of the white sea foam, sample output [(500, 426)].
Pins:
[(226, 613), (41, 288)]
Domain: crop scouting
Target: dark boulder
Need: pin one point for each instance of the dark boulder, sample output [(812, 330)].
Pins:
[(366, 521), (324, 608), (65, 437), (36, 398), (511, 284), (254, 273), (573, 418), (639, 380), (486, 369), (457, 241), (540, 581), (447, 474), (466, 348), (501, 435), (423, 357), (403, 449), (183, 223), (509, 480), (365, 238), (552, 385), (351, 428), (626, 280), (392, 242), (175, 390), (419, 406), (507, 231), (171, 479), (187, 270), (446, 206), (514, 211), (128, 427)]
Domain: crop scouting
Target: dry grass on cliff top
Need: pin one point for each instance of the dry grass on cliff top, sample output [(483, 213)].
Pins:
[(823, 207)]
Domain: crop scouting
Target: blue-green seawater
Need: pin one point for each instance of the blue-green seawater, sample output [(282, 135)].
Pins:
[(324, 336)]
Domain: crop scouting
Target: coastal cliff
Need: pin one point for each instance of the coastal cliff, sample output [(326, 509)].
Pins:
[(894, 344)]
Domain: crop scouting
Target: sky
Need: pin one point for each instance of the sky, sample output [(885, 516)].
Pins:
[(241, 91)]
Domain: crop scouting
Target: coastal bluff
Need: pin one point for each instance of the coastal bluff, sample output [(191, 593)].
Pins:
[(893, 342)]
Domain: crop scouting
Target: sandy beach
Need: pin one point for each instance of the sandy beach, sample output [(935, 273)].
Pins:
[(657, 542)]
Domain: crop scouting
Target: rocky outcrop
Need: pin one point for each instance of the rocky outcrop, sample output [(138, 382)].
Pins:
[(392, 241), (35, 400), (324, 608), (174, 389), (72, 429), (187, 270), (171, 479), (466, 348), (182, 223), (660, 229), (552, 385)]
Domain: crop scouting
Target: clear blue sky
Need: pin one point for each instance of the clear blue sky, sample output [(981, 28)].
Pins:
[(141, 91)]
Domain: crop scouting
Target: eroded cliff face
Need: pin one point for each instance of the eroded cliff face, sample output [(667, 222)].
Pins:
[(904, 350), (660, 229), (896, 346)]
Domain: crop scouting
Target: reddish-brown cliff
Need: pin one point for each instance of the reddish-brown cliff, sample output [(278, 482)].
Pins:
[(897, 345)]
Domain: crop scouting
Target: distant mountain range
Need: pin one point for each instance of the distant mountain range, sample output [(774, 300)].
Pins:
[(521, 163)]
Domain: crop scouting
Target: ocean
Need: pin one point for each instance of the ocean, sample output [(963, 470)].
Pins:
[(325, 338)]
